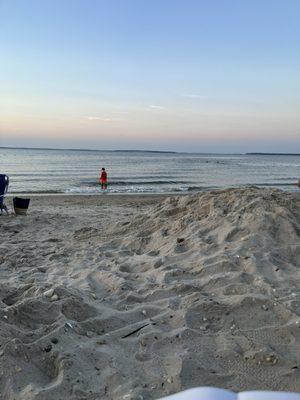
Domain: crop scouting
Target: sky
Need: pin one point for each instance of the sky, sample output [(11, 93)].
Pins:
[(188, 75)]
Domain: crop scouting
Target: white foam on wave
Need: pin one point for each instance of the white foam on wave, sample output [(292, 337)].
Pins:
[(124, 189)]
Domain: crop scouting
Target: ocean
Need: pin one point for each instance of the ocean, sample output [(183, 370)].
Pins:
[(43, 171)]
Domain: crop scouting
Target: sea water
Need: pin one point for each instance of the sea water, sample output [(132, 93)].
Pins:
[(77, 171)]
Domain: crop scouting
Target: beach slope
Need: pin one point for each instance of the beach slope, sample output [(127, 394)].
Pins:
[(136, 297)]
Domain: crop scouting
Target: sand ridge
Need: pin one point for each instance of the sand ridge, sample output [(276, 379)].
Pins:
[(139, 297)]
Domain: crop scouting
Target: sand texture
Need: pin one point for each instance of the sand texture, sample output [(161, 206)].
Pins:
[(137, 297)]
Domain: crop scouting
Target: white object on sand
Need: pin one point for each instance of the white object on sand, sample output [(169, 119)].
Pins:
[(49, 293), (208, 393)]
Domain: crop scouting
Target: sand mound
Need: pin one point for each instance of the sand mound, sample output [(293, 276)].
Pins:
[(196, 290)]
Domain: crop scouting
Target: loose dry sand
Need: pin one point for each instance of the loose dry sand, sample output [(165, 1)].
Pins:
[(136, 297)]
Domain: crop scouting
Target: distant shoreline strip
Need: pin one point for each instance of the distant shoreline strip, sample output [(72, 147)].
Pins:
[(146, 151), (92, 150), (272, 154)]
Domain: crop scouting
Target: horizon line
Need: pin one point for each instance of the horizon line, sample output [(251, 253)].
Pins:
[(142, 151)]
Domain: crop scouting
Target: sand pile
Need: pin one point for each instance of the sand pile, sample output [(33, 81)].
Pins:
[(143, 302)]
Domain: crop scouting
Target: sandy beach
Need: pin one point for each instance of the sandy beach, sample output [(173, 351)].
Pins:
[(140, 296)]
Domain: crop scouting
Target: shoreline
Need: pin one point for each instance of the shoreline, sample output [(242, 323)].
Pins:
[(157, 194), (164, 194), (292, 188)]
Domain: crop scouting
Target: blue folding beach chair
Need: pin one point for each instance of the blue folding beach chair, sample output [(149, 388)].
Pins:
[(4, 181)]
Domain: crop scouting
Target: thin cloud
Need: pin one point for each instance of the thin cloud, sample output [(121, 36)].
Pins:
[(102, 119), (155, 107)]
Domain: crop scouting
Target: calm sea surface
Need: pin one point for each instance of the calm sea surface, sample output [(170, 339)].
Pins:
[(77, 171)]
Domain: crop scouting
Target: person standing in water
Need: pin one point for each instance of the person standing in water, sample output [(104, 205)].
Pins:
[(103, 179)]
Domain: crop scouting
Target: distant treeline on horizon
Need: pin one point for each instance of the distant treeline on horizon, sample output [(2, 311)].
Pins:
[(106, 150), (272, 154), (146, 151)]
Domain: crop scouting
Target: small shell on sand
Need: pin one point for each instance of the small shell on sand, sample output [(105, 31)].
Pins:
[(271, 359), (49, 293), (158, 263)]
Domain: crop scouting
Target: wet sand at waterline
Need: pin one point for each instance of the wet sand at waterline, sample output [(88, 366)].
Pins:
[(136, 296)]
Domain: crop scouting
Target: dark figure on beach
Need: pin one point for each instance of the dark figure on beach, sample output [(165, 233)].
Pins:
[(103, 179)]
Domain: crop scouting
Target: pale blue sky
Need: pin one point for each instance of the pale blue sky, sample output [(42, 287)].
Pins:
[(162, 74)]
